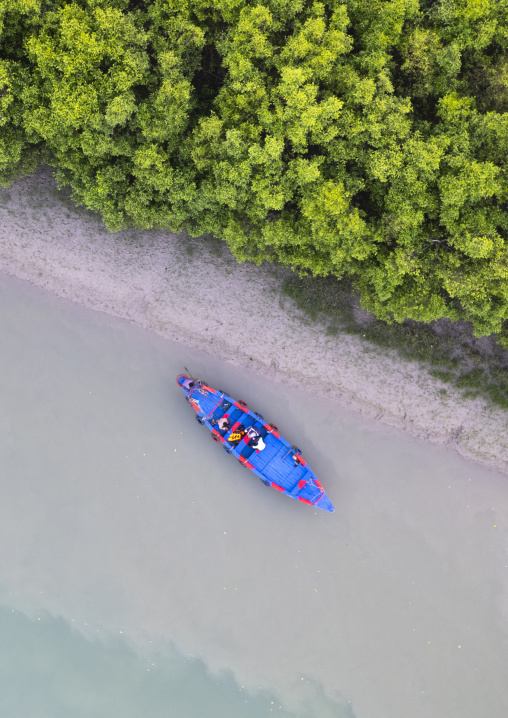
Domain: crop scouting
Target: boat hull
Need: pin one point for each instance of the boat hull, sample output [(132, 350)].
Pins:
[(278, 464)]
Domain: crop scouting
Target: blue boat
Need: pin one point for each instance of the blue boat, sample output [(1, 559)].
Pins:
[(256, 444)]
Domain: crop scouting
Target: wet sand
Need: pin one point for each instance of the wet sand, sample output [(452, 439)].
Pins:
[(194, 292)]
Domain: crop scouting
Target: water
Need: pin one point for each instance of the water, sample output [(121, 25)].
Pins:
[(144, 549), (50, 670)]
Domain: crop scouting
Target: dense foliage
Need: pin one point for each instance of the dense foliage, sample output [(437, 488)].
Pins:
[(367, 139)]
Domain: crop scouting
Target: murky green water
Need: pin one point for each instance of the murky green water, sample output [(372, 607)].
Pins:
[(50, 670), (160, 568)]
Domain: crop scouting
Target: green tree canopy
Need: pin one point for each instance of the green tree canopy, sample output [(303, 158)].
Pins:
[(340, 138)]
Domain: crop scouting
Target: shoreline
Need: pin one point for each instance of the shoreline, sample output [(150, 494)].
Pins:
[(194, 292)]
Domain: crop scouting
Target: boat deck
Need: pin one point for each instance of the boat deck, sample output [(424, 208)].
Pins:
[(279, 464)]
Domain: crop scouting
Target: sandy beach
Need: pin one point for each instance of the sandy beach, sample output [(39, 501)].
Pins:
[(194, 292)]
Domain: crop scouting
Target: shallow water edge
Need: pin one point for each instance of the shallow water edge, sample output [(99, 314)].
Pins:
[(194, 292)]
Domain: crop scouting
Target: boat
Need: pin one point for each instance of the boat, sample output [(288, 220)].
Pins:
[(256, 444)]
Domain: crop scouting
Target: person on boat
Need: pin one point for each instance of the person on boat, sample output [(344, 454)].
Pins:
[(224, 423), (253, 433), (237, 435), (257, 443), (188, 384), (255, 438)]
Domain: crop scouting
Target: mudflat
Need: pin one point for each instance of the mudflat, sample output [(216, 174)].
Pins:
[(193, 291)]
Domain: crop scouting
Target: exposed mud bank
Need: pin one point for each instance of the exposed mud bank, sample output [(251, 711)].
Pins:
[(194, 292)]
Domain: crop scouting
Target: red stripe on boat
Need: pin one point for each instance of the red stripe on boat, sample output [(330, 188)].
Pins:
[(300, 460), (318, 498), (276, 486), (244, 461), (271, 431), (208, 388), (195, 406), (318, 484), (239, 406), (305, 501), (235, 426), (302, 483), (216, 433)]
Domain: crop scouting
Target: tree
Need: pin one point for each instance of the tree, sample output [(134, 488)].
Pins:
[(20, 151), (336, 136)]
